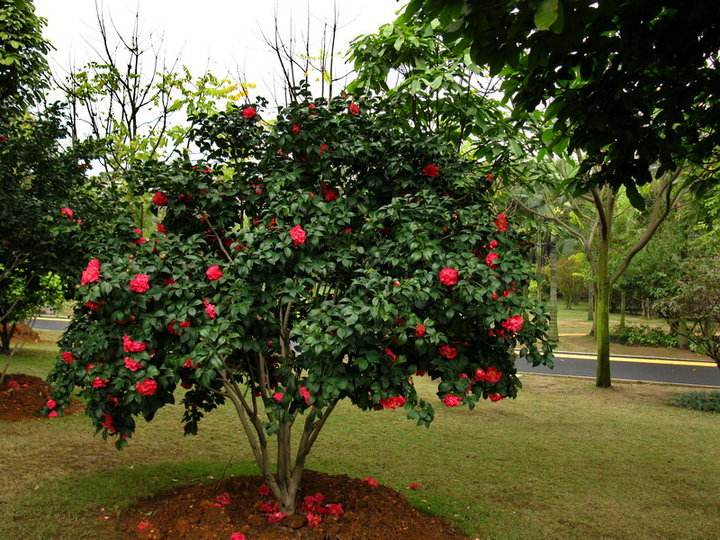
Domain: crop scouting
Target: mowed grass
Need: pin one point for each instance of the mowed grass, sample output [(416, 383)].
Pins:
[(564, 460)]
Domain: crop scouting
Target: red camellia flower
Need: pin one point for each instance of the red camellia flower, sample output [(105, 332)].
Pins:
[(210, 310), (296, 129), (132, 364), (494, 296), (276, 517), (390, 354), (420, 330), (249, 113), (159, 198), (452, 400), (335, 509), (298, 235), (168, 281), (490, 177), (480, 375), (313, 520), (493, 375), (143, 526), (53, 414), (491, 259), (92, 306), (278, 397), (448, 352), (448, 276), (324, 147), (501, 222), (67, 357), (4, 138), (392, 402), (495, 397), (354, 108), (188, 364), (305, 394), (415, 486), (238, 536), (370, 481), (432, 170), (99, 382), (185, 324), (67, 212), (146, 387), (213, 273), (492, 244), (132, 346), (223, 499), (312, 106), (264, 490), (269, 507), (140, 283), (328, 193), (160, 228), (513, 324), (107, 422), (91, 274), (51, 404)]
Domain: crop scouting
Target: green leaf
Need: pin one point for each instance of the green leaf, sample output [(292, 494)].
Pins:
[(546, 14)]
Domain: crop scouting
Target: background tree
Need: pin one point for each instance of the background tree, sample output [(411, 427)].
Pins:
[(632, 85), (333, 253)]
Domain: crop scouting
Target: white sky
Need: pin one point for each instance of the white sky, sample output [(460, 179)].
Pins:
[(223, 36)]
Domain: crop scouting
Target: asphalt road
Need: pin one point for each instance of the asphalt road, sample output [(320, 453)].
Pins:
[(630, 368)]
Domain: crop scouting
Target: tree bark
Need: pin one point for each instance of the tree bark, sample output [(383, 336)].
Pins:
[(605, 202), (682, 333), (538, 265), (6, 334), (591, 307), (553, 333), (622, 308)]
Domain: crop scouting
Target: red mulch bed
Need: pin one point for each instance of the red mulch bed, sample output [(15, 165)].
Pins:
[(193, 513), (22, 397)]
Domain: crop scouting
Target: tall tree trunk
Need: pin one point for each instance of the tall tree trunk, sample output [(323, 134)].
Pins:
[(539, 265), (591, 307), (553, 294), (622, 308), (605, 202)]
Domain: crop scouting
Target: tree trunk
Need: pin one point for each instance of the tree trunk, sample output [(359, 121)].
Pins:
[(682, 333), (538, 265), (606, 202), (622, 308), (591, 306), (553, 295), (6, 334)]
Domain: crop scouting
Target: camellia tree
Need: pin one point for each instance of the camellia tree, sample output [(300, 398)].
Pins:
[(333, 253)]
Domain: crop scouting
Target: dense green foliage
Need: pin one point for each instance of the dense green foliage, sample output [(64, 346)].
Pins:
[(699, 401), (632, 84), (642, 335), (351, 310), (23, 68)]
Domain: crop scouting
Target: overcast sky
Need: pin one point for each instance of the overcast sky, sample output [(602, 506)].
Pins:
[(222, 35)]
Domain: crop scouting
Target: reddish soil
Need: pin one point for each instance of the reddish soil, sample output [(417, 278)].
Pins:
[(196, 512), (22, 397)]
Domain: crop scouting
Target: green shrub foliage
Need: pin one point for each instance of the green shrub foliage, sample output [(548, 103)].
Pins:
[(332, 253), (643, 335), (699, 401)]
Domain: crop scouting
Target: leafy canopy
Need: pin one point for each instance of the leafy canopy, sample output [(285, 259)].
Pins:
[(631, 83), (309, 259)]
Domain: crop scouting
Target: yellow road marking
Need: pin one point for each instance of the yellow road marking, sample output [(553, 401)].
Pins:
[(60, 319), (641, 360)]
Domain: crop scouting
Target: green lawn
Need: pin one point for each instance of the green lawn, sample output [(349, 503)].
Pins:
[(565, 460)]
